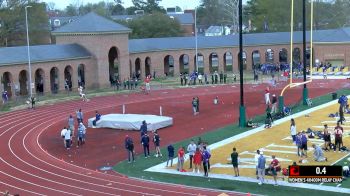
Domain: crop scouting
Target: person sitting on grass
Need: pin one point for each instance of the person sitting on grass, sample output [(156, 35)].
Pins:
[(318, 154)]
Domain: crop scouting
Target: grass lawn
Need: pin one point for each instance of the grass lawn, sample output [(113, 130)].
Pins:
[(137, 169)]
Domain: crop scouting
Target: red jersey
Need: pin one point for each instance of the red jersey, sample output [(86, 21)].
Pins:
[(147, 80), (181, 153), (197, 158), (274, 163)]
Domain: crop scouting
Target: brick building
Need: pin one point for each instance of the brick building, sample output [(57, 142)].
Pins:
[(92, 49)]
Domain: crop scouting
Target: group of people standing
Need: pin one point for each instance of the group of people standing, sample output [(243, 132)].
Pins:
[(191, 79), (199, 156), (145, 142), (67, 133)]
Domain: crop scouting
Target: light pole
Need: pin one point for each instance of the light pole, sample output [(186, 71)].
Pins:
[(242, 111), (195, 35), (28, 52)]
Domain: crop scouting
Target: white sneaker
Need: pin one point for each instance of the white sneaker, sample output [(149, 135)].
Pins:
[(156, 155), (259, 183)]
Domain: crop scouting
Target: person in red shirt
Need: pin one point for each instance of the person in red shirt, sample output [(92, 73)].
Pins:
[(197, 160), (275, 166), (181, 159), (338, 133), (147, 84)]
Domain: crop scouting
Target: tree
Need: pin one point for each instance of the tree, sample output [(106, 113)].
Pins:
[(13, 28), (154, 25), (210, 13), (178, 9), (149, 6)]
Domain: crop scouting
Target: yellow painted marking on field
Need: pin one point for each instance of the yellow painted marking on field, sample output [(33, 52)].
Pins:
[(275, 141)]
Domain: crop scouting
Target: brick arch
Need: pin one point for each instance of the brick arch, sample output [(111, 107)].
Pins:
[(39, 81), (168, 64), (7, 82), (148, 66), (68, 77), (54, 80), (228, 61), (23, 82)]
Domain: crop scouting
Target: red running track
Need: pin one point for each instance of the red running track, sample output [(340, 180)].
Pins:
[(33, 161)]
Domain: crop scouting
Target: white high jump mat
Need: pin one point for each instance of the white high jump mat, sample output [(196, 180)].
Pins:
[(131, 121)]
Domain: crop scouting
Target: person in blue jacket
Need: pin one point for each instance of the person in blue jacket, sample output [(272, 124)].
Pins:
[(143, 128), (145, 144), (171, 152)]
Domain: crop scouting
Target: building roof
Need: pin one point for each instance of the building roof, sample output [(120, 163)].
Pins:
[(42, 53), (176, 43), (91, 23), (185, 18)]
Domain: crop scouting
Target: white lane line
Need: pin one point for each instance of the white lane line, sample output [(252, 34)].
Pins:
[(43, 122), (17, 188), (149, 188), (31, 183)]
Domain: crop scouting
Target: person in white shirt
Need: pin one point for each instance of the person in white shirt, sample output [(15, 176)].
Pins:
[(63, 133), (81, 93), (216, 100), (293, 130), (200, 78), (191, 149), (256, 161), (67, 138)]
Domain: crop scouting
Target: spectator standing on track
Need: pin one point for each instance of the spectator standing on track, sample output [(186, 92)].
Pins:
[(267, 96), (32, 101), (129, 146), (145, 144), (268, 113), (71, 123), (147, 84), (63, 133), (171, 152), (194, 106), (197, 98), (293, 130), (338, 133), (81, 135), (234, 161), (143, 128), (156, 140), (79, 116), (191, 149), (274, 104), (197, 160), (180, 159), (67, 138), (256, 160), (261, 168), (206, 157)]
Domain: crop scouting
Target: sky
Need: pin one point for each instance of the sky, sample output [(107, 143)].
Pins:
[(184, 4)]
